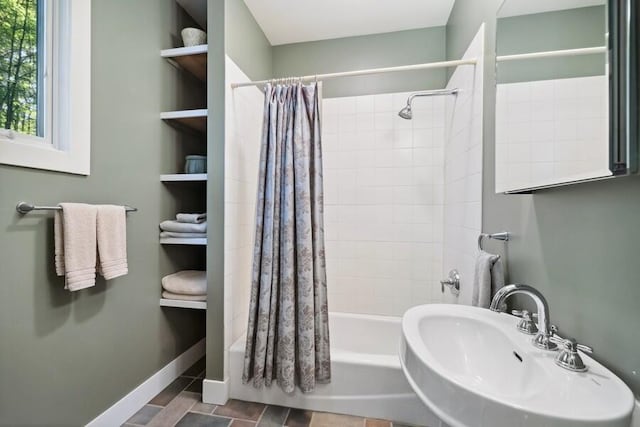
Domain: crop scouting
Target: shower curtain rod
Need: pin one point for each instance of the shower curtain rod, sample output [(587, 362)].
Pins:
[(553, 53), (443, 64)]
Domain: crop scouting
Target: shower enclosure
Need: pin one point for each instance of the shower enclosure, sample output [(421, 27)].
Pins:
[(402, 208)]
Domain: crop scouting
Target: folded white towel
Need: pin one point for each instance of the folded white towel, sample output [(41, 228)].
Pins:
[(186, 282), (169, 295), (488, 278), (75, 245), (112, 241), (183, 235), (183, 227), (193, 218)]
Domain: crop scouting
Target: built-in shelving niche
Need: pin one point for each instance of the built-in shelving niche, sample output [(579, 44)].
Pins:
[(192, 60)]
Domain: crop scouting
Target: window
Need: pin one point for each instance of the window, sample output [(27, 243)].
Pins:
[(45, 84), (22, 66)]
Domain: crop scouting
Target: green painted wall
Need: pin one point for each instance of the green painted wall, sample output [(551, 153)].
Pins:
[(566, 29), (578, 244), (215, 187), (246, 44), (67, 357), (371, 51)]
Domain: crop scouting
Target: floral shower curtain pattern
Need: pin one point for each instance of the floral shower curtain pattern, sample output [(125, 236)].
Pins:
[(288, 329)]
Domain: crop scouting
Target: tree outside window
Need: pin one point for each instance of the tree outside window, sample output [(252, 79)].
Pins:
[(21, 66)]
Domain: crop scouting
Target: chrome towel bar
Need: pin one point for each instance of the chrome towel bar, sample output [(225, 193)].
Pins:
[(504, 236), (24, 208)]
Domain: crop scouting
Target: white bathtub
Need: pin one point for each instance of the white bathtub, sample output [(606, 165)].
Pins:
[(367, 379)]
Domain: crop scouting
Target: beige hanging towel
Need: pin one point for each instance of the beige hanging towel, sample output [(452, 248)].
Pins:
[(112, 241), (75, 245)]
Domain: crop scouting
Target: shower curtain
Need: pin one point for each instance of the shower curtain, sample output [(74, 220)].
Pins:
[(288, 329)]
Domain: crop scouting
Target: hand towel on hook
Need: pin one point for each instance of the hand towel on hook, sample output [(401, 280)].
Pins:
[(488, 278)]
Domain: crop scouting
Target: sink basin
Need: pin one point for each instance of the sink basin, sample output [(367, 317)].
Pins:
[(474, 369)]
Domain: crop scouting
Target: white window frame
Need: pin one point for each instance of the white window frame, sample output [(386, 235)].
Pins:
[(66, 145)]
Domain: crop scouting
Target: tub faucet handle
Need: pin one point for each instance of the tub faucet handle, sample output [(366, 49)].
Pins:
[(453, 282)]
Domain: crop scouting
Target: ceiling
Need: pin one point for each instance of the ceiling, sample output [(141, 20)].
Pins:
[(293, 21), (527, 7)]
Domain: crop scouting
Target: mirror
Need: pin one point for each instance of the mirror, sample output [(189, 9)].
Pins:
[(558, 119)]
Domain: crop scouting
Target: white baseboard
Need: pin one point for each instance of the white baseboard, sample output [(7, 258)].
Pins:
[(124, 408), (635, 421), (215, 392)]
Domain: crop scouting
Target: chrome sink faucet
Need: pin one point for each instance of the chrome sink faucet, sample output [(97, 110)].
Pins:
[(543, 339)]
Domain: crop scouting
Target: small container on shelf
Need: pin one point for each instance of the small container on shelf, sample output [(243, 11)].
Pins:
[(195, 164), (193, 37)]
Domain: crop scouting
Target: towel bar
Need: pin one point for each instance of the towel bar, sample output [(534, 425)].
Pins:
[(24, 208), (504, 236)]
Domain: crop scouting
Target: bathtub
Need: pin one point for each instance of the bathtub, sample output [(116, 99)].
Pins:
[(367, 379)]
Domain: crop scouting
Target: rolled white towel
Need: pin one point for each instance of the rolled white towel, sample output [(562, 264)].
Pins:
[(183, 235), (183, 227), (169, 295), (192, 218), (186, 282)]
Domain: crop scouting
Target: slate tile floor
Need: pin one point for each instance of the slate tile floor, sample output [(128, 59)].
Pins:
[(180, 405)]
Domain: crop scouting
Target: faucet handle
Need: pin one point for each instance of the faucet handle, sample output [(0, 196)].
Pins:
[(572, 345), (526, 325), (453, 282), (568, 343), (569, 358)]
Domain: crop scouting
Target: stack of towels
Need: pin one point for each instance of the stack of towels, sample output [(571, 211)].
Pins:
[(185, 226), (90, 238), (187, 285)]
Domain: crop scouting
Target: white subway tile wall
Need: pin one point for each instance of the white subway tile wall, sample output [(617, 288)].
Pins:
[(551, 131), (463, 171), (384, 195), (385, 181), (243, 124)]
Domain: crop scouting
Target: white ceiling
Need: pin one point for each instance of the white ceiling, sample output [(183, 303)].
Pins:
[(527, 7), (293, 21)]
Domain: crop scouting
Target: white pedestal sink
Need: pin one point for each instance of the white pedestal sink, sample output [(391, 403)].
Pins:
[(474, 369)]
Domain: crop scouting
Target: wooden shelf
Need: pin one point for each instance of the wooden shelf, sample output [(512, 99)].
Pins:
[(197, 9), (183, 177), (192, 59), (183, 241), (199, 305), (194, 119)]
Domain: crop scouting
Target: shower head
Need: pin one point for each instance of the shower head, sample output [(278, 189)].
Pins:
[(406, 113)]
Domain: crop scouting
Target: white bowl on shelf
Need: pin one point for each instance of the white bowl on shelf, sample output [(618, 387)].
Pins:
[(193, 37)]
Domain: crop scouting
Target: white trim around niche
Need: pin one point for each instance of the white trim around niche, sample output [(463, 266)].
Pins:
[(215, 392)]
